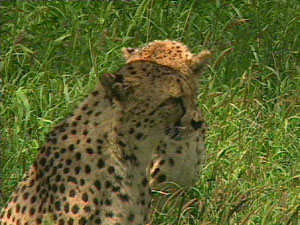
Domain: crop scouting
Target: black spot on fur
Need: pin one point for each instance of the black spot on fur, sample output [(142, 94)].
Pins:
[(95, 93), (71, 147), (78, 155), (100, 163), (171, 162), (97, 184), (75, 209), (130, 217), (124, 197), (72, 193), (111, 169), (122, 143), (145, 182), (66, 207), (72, 179), (139, 136), (109, 214), (87, 169), (161, 178)]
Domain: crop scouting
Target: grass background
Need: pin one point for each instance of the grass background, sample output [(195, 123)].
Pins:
[(52, 54)]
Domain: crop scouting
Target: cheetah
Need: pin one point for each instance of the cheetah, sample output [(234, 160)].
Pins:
[(186, 153), (98, 165)]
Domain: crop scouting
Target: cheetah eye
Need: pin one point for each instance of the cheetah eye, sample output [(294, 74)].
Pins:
[(179, 101), (174, 132)]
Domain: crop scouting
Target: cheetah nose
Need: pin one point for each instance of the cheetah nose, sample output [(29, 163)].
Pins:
[(196, 124)]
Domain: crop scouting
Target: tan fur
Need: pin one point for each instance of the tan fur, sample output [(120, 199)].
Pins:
[(173, 54), (92, 169)]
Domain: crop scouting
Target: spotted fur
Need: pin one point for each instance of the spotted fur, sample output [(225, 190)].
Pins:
[(93, 167)]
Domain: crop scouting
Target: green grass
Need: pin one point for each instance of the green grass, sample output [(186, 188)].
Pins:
[(52, 54)]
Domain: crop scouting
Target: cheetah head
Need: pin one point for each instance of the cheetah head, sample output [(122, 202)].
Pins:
[(158, 86)]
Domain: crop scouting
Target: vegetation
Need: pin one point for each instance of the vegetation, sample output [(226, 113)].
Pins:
[(52, 54)]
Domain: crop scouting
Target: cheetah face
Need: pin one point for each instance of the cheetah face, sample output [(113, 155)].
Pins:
[(159, 96), (159, 84)]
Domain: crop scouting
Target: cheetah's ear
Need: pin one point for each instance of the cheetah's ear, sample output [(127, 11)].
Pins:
[(113, 84), (128, 52), (200, 61)]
